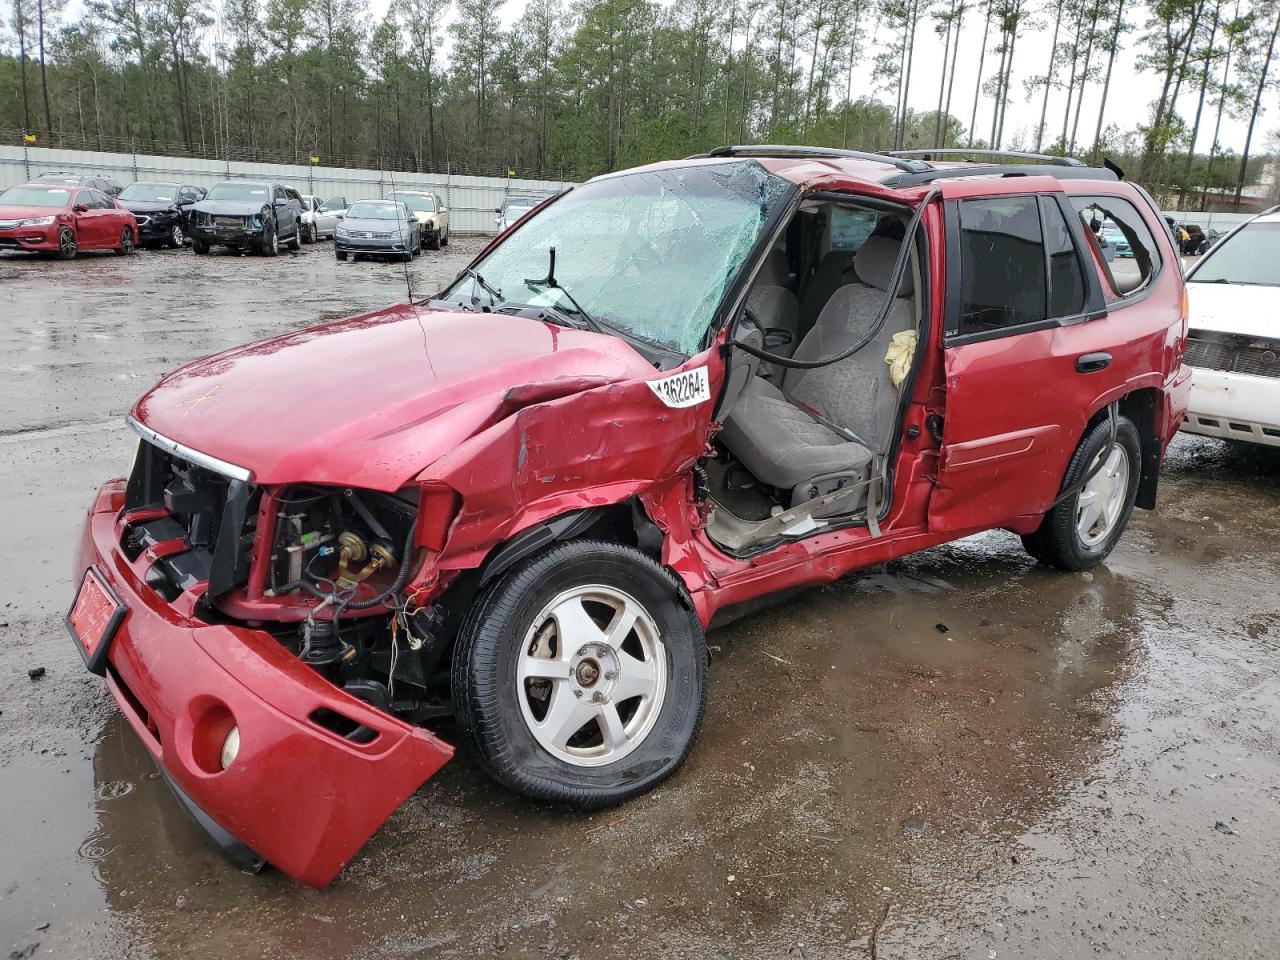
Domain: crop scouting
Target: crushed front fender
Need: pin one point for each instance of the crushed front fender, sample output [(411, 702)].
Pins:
[(317, 771)]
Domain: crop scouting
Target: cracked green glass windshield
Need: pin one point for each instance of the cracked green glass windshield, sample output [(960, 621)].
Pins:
[(648, 253)]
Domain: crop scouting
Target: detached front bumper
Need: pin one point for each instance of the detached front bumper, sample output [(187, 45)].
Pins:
[(152, 229), (298, 794), (1235, 406), (29, 238), (230, 235)]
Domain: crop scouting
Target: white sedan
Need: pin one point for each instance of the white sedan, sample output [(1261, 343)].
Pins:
[(320, 218), (1234, 343)]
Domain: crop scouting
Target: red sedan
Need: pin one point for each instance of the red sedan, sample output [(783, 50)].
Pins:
[(63, 220)]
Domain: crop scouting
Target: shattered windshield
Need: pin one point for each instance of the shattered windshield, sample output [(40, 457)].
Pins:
[(649, 253)]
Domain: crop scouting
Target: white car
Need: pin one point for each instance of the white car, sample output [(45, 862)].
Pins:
[(1233, 346), (512, 209), (320, 218)]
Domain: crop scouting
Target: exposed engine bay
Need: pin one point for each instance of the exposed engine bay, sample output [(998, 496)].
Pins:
[(332, 582)]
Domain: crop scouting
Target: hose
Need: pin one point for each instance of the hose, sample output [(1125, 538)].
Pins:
[(891, 293), (401, 578)]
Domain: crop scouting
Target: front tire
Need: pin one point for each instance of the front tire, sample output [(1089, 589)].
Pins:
[(176, 237), (340, 254), (580, 676), (1081, 531), (295, 242), (199, 247), (125, 247), (269, 246), (67, 247)]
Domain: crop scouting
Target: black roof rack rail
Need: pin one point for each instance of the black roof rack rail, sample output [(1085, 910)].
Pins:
[(782, 150), (1011, 154), (996, 170)]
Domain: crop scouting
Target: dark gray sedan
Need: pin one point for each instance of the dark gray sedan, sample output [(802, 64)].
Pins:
[(384, 228)]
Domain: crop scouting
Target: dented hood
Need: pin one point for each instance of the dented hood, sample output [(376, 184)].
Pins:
[(373, 400)]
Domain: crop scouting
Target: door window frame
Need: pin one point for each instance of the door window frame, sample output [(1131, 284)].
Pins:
[(1158, 258), (1095, 304)]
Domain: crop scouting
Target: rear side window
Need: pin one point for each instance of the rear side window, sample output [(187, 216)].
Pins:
[(1066, 279), (1122, 241), (1002, 265)]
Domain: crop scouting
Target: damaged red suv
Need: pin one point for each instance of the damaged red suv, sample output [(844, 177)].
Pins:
[(665, 397)]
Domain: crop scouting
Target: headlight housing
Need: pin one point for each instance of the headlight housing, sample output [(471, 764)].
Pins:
[(38, 222), (341, 231)]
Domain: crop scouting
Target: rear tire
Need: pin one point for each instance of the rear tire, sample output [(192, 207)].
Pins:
[(1081, 531), (621, 699), (295, 242)]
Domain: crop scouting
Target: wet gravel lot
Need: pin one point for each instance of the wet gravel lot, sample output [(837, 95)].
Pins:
[(958, 755)]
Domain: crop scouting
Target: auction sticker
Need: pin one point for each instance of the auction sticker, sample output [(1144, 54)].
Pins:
[(686, 389)]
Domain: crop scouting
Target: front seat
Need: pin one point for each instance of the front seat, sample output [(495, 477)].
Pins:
[(786, 447)]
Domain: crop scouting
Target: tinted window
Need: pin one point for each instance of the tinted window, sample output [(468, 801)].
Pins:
[(1002, 264), (1122, 241), (1066, 281)]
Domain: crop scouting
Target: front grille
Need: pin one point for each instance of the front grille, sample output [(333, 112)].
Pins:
[(214, 514), (1233, 353)]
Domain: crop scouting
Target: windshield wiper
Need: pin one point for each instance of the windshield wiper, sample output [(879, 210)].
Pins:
[(495, 295), (549, 281)]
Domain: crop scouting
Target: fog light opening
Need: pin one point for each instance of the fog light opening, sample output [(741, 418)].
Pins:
[(230, 747)]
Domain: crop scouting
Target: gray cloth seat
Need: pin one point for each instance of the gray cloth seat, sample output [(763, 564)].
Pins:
[(834, 271), (775, 271), (777, 313), (769, 429)]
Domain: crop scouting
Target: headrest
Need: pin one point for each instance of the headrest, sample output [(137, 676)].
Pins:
[(874, 262), (774, 272)]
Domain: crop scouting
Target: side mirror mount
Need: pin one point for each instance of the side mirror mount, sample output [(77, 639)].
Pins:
[(80, 208)]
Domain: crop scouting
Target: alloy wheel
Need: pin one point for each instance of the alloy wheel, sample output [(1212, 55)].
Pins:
[(592, 675), (175, 235), (1102, 500), (67, 243)]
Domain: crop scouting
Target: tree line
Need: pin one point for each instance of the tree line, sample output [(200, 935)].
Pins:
[(575, 88)]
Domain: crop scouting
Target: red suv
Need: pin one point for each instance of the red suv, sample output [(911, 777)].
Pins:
[(665, 397)]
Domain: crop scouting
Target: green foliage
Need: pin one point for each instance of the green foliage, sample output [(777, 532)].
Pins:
[(573, 88)]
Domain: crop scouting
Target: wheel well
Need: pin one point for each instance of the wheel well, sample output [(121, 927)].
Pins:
[(1140, 406), (625, 523)]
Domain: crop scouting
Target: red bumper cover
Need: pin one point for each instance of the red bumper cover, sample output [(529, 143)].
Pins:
[(298, 794)]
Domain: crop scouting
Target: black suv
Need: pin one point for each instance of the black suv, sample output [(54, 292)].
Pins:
[(248, 215), (163, 210)]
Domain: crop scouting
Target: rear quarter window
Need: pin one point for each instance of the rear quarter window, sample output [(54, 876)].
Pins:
[(1122, 243)]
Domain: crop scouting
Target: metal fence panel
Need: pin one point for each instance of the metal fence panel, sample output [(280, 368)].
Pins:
[(471, 200)]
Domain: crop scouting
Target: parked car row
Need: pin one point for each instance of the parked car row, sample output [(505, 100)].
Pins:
[(64, 213)]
